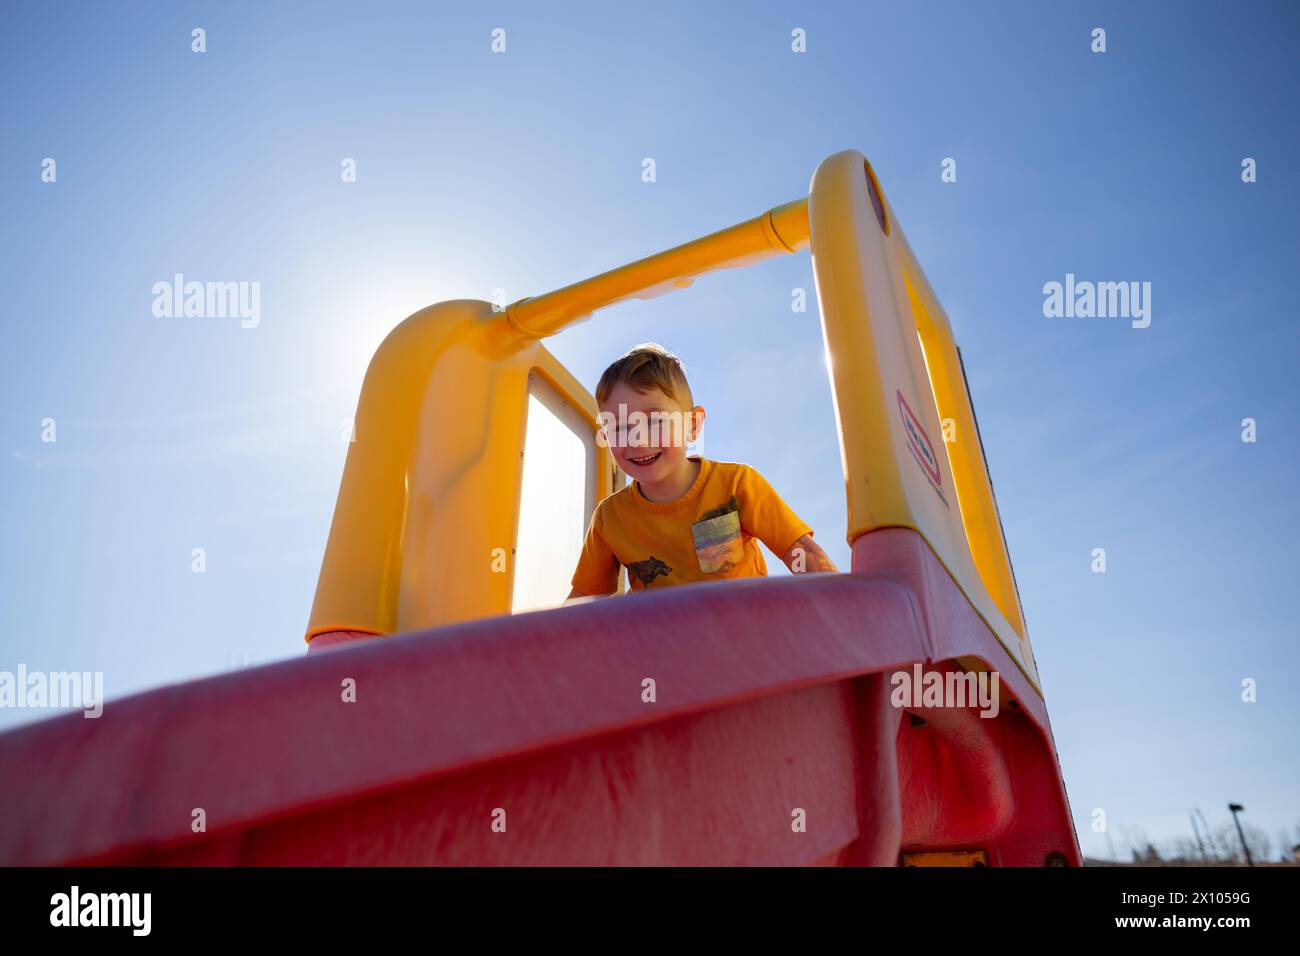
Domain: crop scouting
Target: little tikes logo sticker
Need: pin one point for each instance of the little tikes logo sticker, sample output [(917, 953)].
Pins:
[(919, 444)]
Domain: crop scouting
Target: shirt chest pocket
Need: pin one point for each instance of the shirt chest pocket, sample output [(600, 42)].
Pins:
[(719, 545)]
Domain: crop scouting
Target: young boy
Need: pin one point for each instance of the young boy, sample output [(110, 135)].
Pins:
[(682, 519)]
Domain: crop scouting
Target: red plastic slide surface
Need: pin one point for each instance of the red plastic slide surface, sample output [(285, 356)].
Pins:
[(527, 740)]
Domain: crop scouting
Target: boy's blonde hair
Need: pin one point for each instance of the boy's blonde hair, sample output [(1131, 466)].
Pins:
[(648, 366)]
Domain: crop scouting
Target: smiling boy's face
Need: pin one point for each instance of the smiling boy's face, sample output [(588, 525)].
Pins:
[(648, 434)]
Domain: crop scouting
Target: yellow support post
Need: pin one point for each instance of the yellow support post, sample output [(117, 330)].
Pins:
[(428, 511), (891, 396)]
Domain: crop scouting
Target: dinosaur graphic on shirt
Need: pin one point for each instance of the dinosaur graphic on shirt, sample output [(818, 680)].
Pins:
[(649, 569)]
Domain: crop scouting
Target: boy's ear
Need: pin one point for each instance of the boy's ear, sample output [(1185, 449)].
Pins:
[(697, 422)]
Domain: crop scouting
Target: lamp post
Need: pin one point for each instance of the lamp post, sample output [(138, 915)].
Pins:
[(1234, 808)]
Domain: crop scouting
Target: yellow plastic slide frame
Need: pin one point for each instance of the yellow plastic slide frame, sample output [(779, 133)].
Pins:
[(430, 495), (896, 376), (432, 483)]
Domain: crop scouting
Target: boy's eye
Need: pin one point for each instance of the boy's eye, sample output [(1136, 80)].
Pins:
[(654, 427)]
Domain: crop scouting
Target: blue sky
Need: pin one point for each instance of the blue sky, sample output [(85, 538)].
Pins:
[(522, 172)]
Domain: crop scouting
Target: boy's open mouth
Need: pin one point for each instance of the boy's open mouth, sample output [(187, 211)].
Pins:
[(648, 460)]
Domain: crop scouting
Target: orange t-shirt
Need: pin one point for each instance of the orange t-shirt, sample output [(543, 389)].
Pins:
[(710, 533)]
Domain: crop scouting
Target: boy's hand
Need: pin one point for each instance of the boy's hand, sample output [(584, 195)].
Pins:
[(807, 555)]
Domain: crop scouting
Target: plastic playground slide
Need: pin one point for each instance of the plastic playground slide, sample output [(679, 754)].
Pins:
[(800, 720)]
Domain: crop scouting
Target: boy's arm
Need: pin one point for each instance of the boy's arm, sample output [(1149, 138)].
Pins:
[(778, 527), (807, 555)]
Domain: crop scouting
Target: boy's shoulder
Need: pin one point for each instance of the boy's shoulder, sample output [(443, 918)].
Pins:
[(732, 467), (730, 473)]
